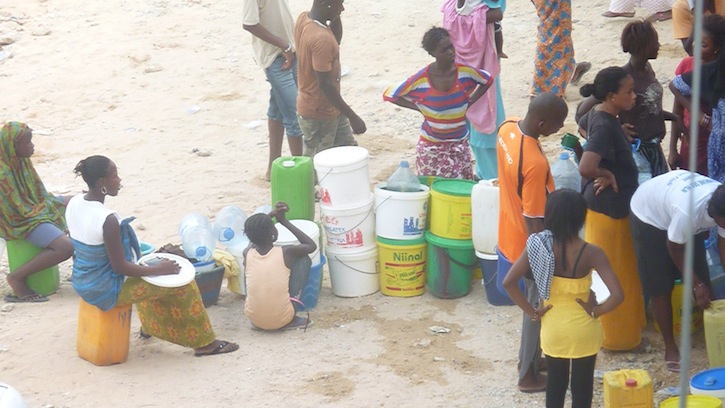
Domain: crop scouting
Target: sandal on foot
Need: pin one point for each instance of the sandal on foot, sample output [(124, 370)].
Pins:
[(581, 69), (611, 14), (34, 298), (532, 389), (143, 334), (673, 366), (297, 322), (221, 348)]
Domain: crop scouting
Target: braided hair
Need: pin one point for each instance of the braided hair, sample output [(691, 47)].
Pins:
[(258, 227)]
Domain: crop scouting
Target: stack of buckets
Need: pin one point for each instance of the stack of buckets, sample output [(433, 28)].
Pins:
[(451, 258), (348, 218), (400, 225), (293, 182)]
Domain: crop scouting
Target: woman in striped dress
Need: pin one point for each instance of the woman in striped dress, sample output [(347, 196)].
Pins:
[(442, 92)]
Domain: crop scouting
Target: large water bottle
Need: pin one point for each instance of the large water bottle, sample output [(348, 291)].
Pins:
[(197, 237), (229, 225), (403, 179), (566, 173), (643, 167)]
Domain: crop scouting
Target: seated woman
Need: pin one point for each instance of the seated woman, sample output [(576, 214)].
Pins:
[(105, 275), (275, 275), (442, 92), (28, 211)]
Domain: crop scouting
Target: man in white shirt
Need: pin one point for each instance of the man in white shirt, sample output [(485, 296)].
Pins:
[(272, 28), (661, 222)]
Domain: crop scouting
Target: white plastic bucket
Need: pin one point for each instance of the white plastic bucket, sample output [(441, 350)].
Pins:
[(354, 273), (484, 216), (342, 173), (400, 215), (310, 228), (349, 227)]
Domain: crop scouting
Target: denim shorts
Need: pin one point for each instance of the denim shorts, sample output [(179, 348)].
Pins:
[(42, 235), (283, 96)]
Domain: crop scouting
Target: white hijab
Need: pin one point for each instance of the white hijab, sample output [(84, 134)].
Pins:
[(468, 7)]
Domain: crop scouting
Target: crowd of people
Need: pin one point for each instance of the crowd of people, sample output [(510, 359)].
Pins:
[(628, 226)]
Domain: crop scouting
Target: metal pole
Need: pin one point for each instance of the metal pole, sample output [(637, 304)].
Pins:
[(685, 334)]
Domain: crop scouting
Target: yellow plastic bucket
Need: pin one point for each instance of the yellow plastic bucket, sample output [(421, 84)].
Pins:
[(402, 266), (450, 209), (715, 333), (677, 310), (693, 401), (628, 388)]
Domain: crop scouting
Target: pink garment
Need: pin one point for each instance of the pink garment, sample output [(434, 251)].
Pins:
[(475, 46)]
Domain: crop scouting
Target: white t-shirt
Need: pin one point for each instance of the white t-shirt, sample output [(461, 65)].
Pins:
[(663, 203), (85, 220), (276, 17)]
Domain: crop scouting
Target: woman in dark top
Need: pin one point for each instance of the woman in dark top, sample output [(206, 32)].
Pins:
[(646, 119), (611, 179)]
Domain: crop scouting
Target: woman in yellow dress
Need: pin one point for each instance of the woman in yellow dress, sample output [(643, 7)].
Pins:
[(561, 264)]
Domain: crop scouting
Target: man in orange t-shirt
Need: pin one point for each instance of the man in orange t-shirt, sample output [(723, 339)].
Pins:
[(324, 117), (524, 182)]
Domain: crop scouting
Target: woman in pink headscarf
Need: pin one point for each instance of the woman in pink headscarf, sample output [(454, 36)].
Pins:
[(470, 25)]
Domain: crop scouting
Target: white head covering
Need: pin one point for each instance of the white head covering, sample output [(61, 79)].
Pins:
[(468, 7)]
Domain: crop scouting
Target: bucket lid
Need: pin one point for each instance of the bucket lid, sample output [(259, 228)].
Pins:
[(454, 187), (341, 156), (693, 401), (709, 380), (284, 235), (448, 243), (487, 257), (401, 242)]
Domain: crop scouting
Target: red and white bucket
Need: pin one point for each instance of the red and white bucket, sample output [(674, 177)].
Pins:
[(350, 227)]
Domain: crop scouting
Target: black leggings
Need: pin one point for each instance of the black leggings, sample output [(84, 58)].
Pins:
[(582, 381)]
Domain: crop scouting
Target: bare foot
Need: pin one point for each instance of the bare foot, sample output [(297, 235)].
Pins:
[(502, 54), (661, 16), (581, 69), (20, 287)]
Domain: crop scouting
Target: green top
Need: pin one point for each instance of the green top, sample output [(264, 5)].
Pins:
[(448, 243), (454, 187), (400, 242)]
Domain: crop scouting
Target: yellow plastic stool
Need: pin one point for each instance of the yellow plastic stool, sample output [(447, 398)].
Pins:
[(103, 336)]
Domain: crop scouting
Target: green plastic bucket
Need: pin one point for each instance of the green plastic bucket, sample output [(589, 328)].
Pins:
[(45, 282), (450, 265)]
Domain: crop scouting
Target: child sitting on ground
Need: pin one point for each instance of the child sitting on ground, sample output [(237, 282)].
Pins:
[(275, 276)]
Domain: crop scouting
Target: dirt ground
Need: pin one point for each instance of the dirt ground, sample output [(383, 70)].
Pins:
[(169, 91)]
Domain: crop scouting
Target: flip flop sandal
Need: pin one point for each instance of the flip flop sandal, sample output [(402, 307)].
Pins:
[(34, 298), (672, 366), (223, 347)]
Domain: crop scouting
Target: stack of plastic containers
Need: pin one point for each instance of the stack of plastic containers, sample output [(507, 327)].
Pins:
[(347, 213), (451, 258), (401, 212), (484, 214)]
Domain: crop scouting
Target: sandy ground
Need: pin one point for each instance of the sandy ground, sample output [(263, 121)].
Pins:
[(153, 83)]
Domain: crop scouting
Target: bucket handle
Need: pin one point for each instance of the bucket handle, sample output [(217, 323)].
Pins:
[(459, 263), (355, 269), (383, 202), (325, 176), (372, 207)]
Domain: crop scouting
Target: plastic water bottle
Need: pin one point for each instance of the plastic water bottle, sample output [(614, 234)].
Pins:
[(643, 167), (229, 225), (566, 173), (197, 237), (403, 179), (263, 209)]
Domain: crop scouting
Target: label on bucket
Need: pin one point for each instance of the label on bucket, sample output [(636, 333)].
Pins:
[(403, 270), (414, 225), (325, 197), (339, 236)]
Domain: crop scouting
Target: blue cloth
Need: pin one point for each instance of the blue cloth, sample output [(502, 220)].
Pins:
[(484, 145), (93, 276), (496, 4), (283, 96)]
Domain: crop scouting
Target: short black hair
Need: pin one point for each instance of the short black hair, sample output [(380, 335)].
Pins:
[(638, 37), (716, 205), (257, 228), (93, 168), (565, 213), (432, 37), (608, 80)]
